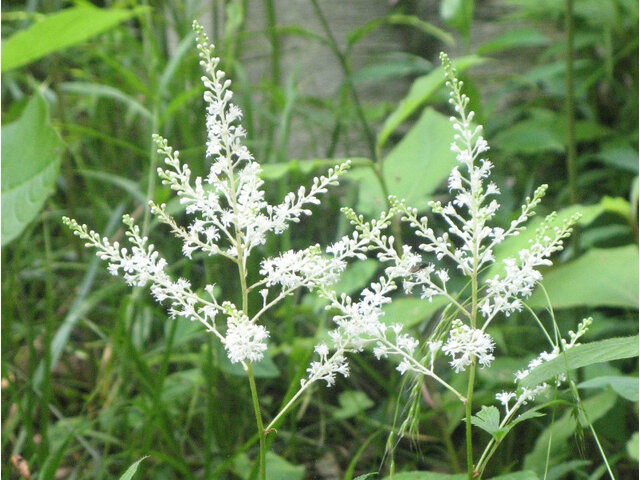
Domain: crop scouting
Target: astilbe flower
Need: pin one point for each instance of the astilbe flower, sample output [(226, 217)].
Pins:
[(229, 217), (468, 243)]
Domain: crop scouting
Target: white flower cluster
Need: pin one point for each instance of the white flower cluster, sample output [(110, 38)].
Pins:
[(229, 217), (467, 345), (523, 395), (468, 244)]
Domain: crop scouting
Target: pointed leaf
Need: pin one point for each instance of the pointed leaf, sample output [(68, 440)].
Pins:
[(31, 151), (58, 31), (421, 90), (131, 471), (581, 356)]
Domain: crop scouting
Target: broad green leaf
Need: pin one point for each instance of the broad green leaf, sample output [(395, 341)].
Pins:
[(410, 311), (626, 387), (563, 429), (581, 356), (356, 276), (277, 468), (601, 277), (31, 152), (619, 156), (131, 471), (427, 476), (58, 31), (413, 169), (488, 419), (458, 14), (351, 404), (420, 92), (528, 137), (518, 38)]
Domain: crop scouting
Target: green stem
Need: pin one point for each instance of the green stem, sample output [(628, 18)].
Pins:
[(468, 405), (261, 434), (333, 44), (569, 106)]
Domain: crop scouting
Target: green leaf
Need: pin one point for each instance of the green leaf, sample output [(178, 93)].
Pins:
[(426, 476), (458, 14), (633, 446), (518, 38), (588, 213), (563, 429), (619, 156), (421, 90), (31, 152), (581, 356), (411, 311), (601, 277), (131, 471), (626, 387), (488, 419), (351, 404), (277, 468), (58, 31), (413, 169), (529, 137)]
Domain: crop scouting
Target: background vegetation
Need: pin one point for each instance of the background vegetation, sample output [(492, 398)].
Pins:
[(94, 377)]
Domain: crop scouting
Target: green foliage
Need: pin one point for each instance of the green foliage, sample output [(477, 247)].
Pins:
[(601, 277), (95, 377), (131, 471), (30, 165), (55, 32), (581, 356)]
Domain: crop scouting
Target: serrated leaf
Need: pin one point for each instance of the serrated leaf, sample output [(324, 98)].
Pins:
[(31, 152), (488, 419), (601, 277), (421, 90), (581, 356), (131, 471), (58, 31), (626, 387)]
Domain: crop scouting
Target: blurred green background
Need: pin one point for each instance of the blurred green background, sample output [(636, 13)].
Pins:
[(94, 377)]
